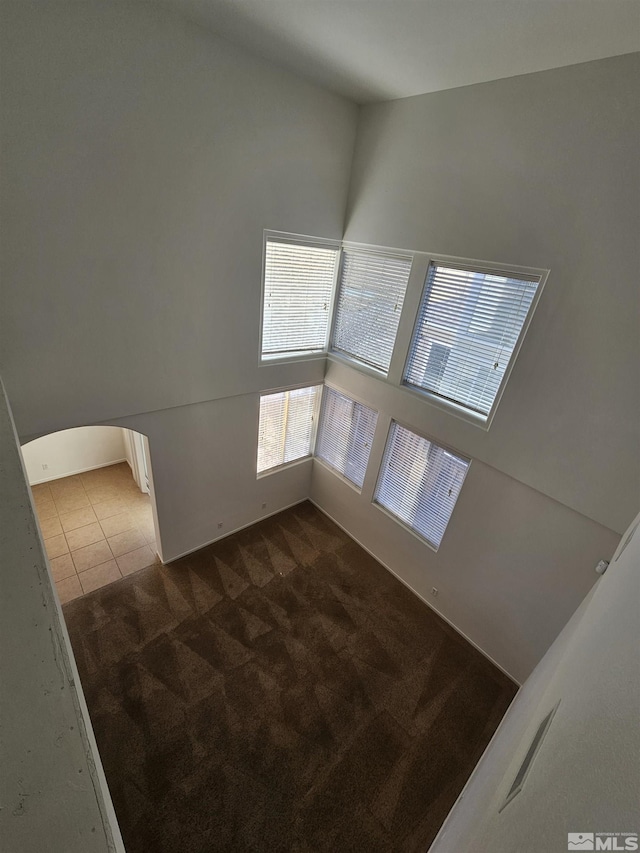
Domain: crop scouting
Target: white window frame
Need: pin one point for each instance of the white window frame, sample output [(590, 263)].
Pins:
[(300, 240), (335, 471), (451, 406), (393, 516), (348, 358), (314, 429)]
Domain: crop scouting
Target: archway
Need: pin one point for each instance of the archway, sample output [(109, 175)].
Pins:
[(93, 493)]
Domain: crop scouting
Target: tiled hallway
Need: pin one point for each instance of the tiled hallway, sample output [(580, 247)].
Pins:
[(97, 528)]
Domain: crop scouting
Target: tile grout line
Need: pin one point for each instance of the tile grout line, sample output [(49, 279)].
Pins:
[(128, 506)]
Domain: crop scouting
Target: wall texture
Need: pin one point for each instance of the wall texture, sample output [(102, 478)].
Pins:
[(53, 791), (585, 776), (511, 569), (142, 159), (208, 477), (539, 170), (71, 451)]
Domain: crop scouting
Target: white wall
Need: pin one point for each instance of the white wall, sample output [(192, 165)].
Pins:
[(52, 787), (142, 159), (511, 569), (539, 170), (585, 776), (209, 476), (72, 451)]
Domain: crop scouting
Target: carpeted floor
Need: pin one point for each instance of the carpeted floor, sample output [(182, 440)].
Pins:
[(280, 691)]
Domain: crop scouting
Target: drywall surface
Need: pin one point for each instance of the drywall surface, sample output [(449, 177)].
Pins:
[(203, 459), (512, 567), (539, 170), (585, 775), (71, 451), (142, 159), (53, 794)]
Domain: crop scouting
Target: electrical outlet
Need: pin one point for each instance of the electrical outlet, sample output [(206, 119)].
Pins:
[(264, 506), (434, 591), (219, 525), (45, 467)]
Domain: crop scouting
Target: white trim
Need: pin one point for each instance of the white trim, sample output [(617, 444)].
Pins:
[(389, 251), (314, 427), (300, 240), (341, 357), (526, 273), (333, 386), (337, 473), (380, 251), (268, 471), (80, 471), (307, 355), (231, 532), (424, 600)]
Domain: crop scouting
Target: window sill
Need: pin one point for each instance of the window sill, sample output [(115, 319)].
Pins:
[(338, 474), (341, 358), (405, 526), (276, 469), (458, 411), (314, 355)]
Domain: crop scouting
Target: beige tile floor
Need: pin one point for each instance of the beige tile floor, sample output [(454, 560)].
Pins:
[(97, 528)]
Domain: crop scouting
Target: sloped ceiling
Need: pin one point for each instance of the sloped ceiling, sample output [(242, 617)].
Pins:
[(372, 50)]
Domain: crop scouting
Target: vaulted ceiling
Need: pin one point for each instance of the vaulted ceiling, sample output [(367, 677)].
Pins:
[(372, 50)]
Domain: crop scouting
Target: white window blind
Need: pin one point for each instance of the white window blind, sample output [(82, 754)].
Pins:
[(468, 326), (419, 482), (286, 426), (345, 435), (298, 283), (369, 304)]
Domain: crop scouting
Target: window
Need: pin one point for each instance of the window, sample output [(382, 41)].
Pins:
[(372, 288), (298, 283), (286, 426), (345, 435), (466, 336), (419, 482)]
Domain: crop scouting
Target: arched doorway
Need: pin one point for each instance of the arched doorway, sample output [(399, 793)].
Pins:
[(93, 494)]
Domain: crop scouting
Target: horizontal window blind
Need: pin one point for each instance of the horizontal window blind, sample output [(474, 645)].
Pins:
[(369, 304), (468, 327), (298, 282), (419, 482), (345, 435), (286, 426)]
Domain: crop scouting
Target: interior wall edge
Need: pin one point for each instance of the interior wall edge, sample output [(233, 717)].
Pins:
[(231, 532), (417, 594), (48, 737)]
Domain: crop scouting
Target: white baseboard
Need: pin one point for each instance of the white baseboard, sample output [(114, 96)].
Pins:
[(79, 471), (231, 532), (424, 600)]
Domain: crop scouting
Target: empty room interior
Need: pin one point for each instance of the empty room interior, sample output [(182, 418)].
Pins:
[(320, 420)]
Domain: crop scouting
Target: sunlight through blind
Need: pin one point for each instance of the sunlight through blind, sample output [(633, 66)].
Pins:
[(369, 304), (468, 326), (345, 435), (298, 283), (419, 482), (286, 426)]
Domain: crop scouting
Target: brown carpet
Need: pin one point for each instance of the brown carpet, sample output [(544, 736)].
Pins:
[(280, 691)]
